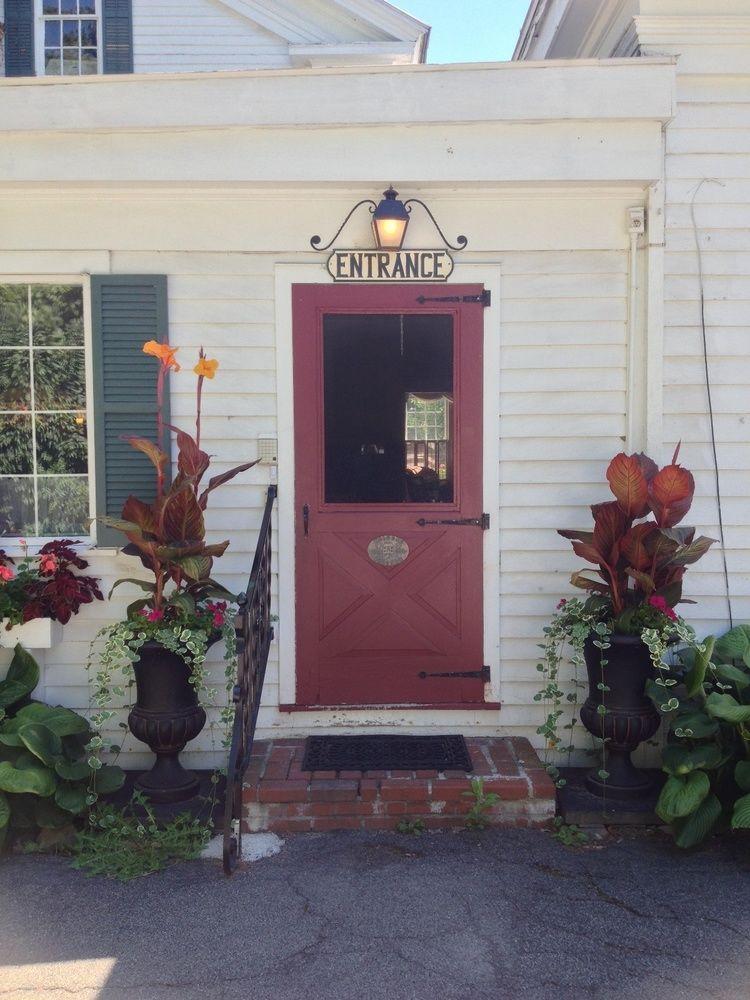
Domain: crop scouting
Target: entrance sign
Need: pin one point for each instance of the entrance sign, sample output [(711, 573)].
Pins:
[(391, 266)]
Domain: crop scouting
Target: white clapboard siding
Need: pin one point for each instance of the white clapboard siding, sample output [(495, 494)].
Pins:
[(708, 141), (561, 407), (200, 35)]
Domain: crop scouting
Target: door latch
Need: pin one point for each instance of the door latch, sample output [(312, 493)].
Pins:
[(484, 298), (482, 522), (306, 520), (483, 674)]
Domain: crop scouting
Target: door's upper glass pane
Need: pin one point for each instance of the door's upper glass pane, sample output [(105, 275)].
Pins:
[(388, 408)]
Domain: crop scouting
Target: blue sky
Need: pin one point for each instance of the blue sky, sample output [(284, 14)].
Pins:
[(469, 30)]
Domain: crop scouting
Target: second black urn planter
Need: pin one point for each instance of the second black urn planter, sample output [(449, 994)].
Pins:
[(166, 716), (630, 718)]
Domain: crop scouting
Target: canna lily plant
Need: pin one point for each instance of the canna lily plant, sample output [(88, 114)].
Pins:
[(640, 554), (168, 534)]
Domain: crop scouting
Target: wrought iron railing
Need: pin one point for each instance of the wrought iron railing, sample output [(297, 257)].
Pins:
[(254, 635)]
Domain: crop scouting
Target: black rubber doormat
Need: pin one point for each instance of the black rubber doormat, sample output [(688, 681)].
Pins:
[(386, 753)]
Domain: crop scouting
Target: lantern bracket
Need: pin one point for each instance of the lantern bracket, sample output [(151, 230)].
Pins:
[(315, 240), (461, 241)]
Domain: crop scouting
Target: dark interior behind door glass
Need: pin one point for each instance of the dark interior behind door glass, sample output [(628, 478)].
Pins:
[(388, 400)]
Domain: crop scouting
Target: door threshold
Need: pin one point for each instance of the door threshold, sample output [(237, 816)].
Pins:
[(452, 706)]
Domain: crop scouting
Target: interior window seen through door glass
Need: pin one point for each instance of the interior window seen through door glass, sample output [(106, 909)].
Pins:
[(388, 400)]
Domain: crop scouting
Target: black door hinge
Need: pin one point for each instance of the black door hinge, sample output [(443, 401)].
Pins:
[(483, 674), (484, 298), (482, 522)]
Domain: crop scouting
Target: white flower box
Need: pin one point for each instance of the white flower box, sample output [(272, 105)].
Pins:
[(39, 633)]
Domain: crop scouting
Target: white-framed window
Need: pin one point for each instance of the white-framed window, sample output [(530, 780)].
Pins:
[(44, 411), (69, 39)]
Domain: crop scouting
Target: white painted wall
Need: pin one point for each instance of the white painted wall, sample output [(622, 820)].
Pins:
[(708, 164), (220, 211)]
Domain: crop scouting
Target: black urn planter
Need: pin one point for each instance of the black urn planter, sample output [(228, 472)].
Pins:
[(631, 716), (166, 716)]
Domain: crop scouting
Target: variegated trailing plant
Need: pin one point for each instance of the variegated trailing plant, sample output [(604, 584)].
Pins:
[(641, 556), (184, 607)]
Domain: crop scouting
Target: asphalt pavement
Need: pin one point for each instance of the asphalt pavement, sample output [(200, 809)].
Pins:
[(470, 916)]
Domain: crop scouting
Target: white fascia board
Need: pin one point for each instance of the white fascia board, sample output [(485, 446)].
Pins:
[(389, 19), (693, 29), (580, 90), (353, 54), (284, 24)]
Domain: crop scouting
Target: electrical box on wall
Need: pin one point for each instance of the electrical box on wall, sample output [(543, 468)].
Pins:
[(267, 451)]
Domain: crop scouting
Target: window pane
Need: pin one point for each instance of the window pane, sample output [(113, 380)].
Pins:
[(17, 507), (63, 505), (70, 32), (52, 62), (16, 444), (15, 381), (88, 62), (69, 6), (88, 33), (61, 443), (14, 320), (51, 33), (71, 62), (51, 6), (57, 315), (87, 6), (59, 380), (373, 365)]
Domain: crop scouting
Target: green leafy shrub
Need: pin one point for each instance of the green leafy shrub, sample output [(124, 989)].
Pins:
[(47, 781), (707, 758), (482, 803)]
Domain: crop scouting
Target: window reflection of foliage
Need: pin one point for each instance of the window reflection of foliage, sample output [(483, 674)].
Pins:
[(57, 314), (16, 507), (15, 444), (14, 320), (15, 381), (63, 506), (59, 382), (61, 442)]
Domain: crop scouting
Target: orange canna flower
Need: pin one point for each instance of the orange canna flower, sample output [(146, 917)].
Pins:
[(163, 352), (206, 367)]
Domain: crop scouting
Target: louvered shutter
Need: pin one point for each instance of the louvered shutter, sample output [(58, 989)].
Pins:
[(19, 37), (127, 310), (117, 16)]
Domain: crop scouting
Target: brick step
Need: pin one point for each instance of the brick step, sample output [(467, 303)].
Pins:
[(280, 797)]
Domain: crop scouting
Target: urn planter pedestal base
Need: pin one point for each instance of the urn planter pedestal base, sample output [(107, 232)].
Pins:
[(630, 718), (166, 716)]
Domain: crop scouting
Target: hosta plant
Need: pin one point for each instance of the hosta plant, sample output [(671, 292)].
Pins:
[(707, 758), (48, 780)]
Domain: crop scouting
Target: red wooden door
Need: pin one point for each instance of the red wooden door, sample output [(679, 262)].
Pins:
[(388, 433)]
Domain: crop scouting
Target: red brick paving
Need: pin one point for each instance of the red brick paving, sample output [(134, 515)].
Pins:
[(280, 796)]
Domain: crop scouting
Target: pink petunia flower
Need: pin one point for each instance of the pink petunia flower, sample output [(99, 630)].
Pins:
[(561, 603), (658, 602), (153, 614), (6, 573)]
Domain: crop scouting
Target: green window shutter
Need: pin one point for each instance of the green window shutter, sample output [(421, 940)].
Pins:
[(19, 37), (127, 310), (117, 17)]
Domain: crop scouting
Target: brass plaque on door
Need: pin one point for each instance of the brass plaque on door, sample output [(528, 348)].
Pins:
[(388, 550)]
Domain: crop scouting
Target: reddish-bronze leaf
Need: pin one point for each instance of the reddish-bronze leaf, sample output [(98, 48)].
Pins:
[(222, 478), (629, 485), (693, 552), (154, 452), (644, 581), (585, 583), (182, 517), (649, 468), (670, 494), (580, 536), (140, 513), (610, 524), (191, 461), (634, 545), (589, 553)]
